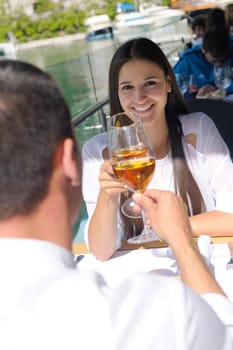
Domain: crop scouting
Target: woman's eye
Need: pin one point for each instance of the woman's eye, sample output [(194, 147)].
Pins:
[(151, 83), (126, 87)]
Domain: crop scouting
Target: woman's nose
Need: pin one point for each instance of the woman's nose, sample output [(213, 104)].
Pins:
[(140, 93)]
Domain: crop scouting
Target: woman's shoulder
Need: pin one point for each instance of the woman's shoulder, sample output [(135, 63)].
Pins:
[(95, 145), (194, 121)]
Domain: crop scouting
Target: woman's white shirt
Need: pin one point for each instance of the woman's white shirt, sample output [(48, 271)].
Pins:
[(209, 162)]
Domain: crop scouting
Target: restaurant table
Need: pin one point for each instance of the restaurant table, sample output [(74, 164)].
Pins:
[(131, 258)]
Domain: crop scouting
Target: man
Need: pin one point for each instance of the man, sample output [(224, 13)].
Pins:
[(216, 50), (45, 302)]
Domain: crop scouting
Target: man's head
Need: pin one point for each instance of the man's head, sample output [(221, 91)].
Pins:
[(216, 44), (215, 18), (35, 132)]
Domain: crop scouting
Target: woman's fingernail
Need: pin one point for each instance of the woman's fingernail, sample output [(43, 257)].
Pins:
[(136, 197)]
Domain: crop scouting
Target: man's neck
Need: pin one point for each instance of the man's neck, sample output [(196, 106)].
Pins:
[(47, 222)]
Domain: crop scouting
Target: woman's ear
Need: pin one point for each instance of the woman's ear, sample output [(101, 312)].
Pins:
[(169, 85), (71, 163)]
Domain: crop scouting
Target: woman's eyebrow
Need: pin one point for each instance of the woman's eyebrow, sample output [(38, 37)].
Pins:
[(124, 82), (146, 78), (152, 77)]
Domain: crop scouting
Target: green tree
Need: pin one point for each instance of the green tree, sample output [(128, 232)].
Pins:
[(44, 6), (24, 28)]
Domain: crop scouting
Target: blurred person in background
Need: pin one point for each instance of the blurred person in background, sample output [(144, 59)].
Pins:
[(198, 27), (216, 49), (215, 18)]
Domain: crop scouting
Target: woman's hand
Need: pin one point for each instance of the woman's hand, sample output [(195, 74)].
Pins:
[(109, 182)]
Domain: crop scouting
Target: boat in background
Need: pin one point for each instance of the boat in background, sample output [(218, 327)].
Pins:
[(99, 28), (149, 9), (161, 23), (161, 15), (131, 22), (7, 50)]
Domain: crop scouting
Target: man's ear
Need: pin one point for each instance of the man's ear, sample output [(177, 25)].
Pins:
[(71, 163)]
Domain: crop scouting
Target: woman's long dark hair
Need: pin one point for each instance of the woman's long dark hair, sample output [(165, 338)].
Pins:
[(143, 48)]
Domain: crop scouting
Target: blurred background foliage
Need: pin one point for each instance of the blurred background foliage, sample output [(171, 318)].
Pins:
[(50, 19)]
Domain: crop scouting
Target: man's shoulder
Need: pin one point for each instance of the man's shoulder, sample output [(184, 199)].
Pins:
[(191, 55), (193, 51)]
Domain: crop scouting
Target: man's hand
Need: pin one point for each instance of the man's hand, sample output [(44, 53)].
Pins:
[(206, 90), (166, 213)]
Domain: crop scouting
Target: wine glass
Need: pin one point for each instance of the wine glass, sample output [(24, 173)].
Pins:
[(133, 162), (222, 77), (182, 82), (192, 86)]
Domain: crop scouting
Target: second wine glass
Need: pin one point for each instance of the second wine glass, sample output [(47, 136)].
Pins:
[(133, 162), (222, 77)]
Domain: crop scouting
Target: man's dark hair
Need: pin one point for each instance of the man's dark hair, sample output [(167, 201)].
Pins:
[(215, 18), (34, 119), (216, 42)]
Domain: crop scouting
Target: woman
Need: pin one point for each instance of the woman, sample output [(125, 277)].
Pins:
[(191, 157)]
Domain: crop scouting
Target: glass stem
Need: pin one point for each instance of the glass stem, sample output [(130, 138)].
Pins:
[(147, 231)]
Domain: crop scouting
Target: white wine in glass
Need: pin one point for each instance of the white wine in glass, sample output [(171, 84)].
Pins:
[(133, 162)]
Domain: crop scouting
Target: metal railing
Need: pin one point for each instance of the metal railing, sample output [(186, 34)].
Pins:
[(97, 107)]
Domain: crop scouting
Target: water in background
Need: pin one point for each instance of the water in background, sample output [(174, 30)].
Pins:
[(81, 67), (72, 65)]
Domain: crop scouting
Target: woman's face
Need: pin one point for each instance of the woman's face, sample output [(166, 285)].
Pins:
[(143, 89)]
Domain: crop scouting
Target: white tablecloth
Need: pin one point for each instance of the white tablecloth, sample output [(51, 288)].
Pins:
[(124, 263), (219, 258)]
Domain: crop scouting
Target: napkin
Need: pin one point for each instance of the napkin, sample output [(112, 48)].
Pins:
[(205, 248), (218, 94)]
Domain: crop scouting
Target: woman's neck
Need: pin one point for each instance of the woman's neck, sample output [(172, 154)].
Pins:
[(162, 148), (160, 140)]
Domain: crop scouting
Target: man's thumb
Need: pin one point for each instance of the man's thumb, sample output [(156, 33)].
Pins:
[(142, 200)]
